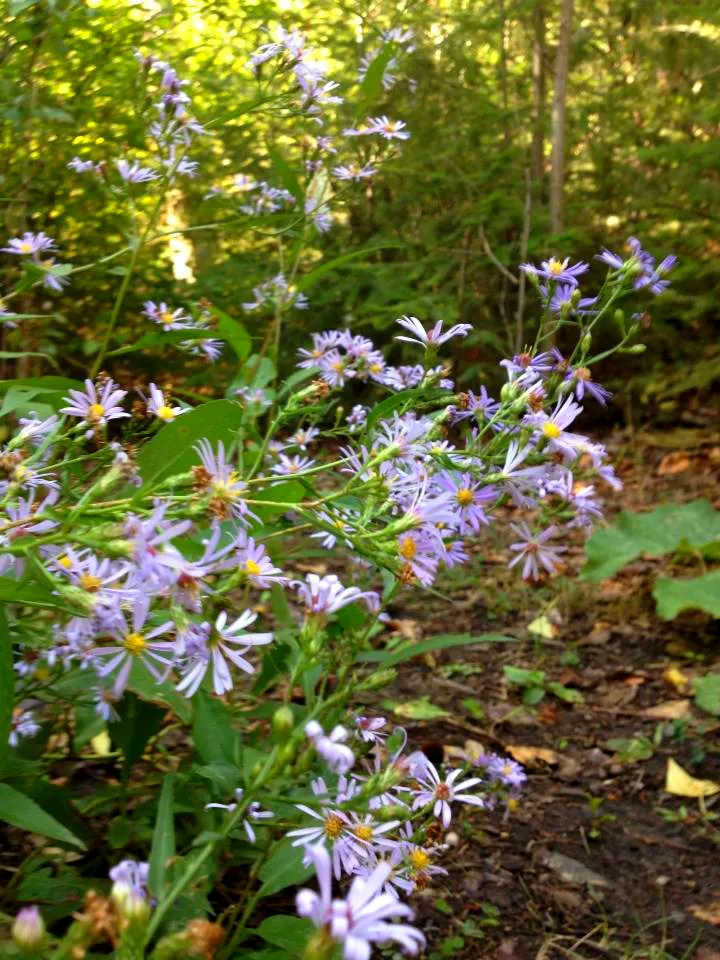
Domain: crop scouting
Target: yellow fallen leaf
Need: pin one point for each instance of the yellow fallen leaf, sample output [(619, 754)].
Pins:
[(710, 914), (670, 710), (532, 756), (681, 784), (101, 744), (676, 678), (543, 627)]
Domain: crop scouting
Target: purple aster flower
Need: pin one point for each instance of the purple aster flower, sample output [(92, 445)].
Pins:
[(29, 244), (150, 540), (370, 729), (526, 369), (221, 480), (362, 918), (210, 349), (84, 166), (252, 560), (553, 428), (134, 173), (535, 551), (566, 299), (159, 407), (253, 812), (580, 381), (130, 876), (303, 438), (433, 337), (98, 404), (22, 724), (357, 417), (289, 466), (134, 643), (443, 793), (470, 497), (325, 595), (386, 128), (167, 318), (505, 771), (559, 271), (352, 171), (221, 644), (481, 407), (420, 553), (331, 747)]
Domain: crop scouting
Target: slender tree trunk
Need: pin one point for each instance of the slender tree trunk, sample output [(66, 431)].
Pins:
[(537, 160), (504, 72), (562, 67)]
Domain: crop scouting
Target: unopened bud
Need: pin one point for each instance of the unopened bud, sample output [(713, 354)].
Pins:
[(117, 548), (130, 903), (392, 812), (508, 392), (320, 946), (28, 930), (635, 348), (380, 679), (585, 343), (283, 722)]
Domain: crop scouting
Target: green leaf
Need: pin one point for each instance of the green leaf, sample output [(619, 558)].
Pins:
[(283, 869), (304, 283), (234, 333), (397, 401), (372, 81), (147, 688), (139, 721), (171, 449), (524, 678), (701, 593), (568, 694), (661, 531), (31, 595), (11, 355), (707, 693), (212, 733), (163, 842), (290, 933), (421, 709), (285, 173), (631, 749), (533, 695), (19, 810), (445, 641), (7, 687)]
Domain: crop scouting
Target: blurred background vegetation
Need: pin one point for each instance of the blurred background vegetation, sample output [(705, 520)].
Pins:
[(468, 197)]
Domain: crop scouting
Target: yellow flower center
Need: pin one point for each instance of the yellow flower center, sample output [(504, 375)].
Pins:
[(135, 643), (252, 568), (65, 562), (338, 366), (165, 413), (363, 832), (21, 473), (555, 267), (166, 318), (334, 826), (375, 368), (507, 769), (419, 859), (551, 430), (26, 248), (222, 488), (408, 548), (96, 410), (464, 497), (90, 583), (582, 373)]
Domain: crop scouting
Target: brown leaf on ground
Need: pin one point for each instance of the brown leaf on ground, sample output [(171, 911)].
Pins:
[(670, 710), (710, 913), (532, 756), (408, 629), (672, 463)]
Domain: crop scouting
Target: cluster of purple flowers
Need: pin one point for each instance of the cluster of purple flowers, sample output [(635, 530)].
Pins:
[(34, 246), (168, 319)]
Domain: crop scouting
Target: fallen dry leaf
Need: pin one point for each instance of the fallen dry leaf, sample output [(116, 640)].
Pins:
[(408, 629), (672, 463), (674, 677), (670, 710), (710, 913), (532, 756), (681, 784)]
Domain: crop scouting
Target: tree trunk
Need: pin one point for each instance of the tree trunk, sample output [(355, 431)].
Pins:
[(557, 159), (537, 160)]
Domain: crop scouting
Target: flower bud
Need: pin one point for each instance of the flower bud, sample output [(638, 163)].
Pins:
[(320, 946), (28, 930), (392, 812), (585, 344), (635, 348), (508, 392), (380, 679), (283, 722)]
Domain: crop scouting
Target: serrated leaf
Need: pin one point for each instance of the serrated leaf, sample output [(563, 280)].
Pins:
[(19, 810), (701, 593), (654, 534)]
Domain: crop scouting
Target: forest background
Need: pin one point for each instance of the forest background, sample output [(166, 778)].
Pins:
[(538, 128)]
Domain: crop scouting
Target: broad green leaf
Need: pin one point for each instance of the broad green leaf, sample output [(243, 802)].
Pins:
[(287, 176), (139, 721), (701, 593), (289, 491), (147, 688), (7, 686), (163, 842), (212, 733), (304, 283), (568, 694), (661, 531), (283, 869), (421, 709), (233, 332), (161, 338), (631, 749), (372, 81), (290, 933), (524, 678), (533, 695), (388, 658), (171, 449), (19, 810), (707, 693)]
